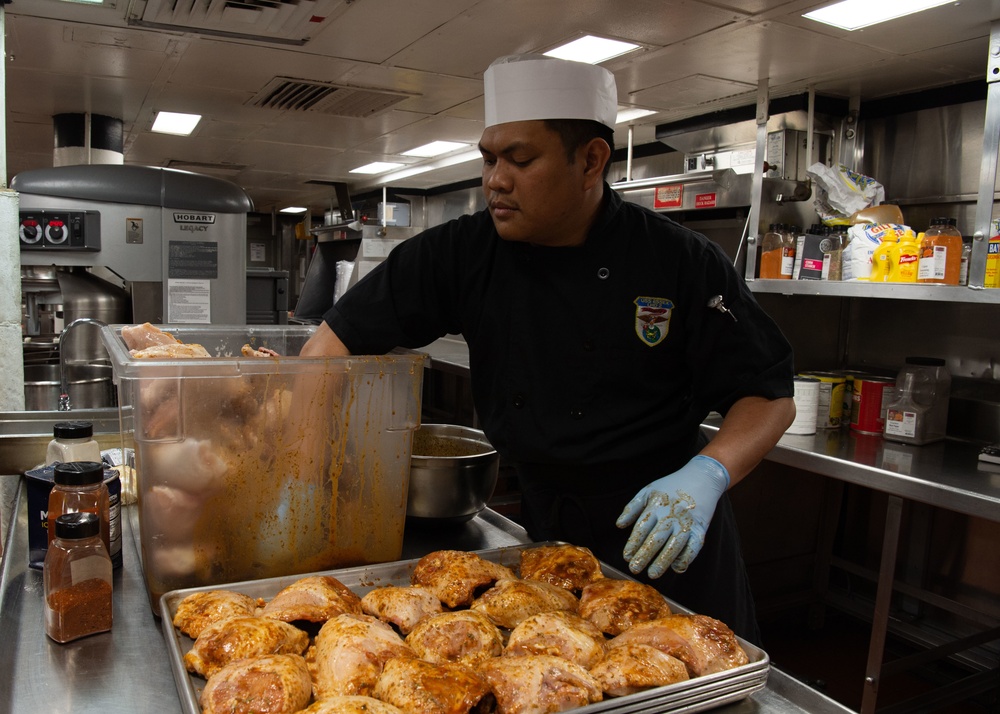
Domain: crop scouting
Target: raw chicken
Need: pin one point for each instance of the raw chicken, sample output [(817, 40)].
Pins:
[(702, 643), (248, 351), (199, 610), (567, 566), (510, 601), (178, 350), (455, 575), (539, 684), (350, 705), (237, 638), (349, 653), (633, 668), (615, 605), (462, 636), (561, 634), (419, 687), (316, 598), (275, 684), (139, 337), (401, 606)]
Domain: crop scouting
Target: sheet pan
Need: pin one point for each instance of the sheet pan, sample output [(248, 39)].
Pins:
[(694, 695)]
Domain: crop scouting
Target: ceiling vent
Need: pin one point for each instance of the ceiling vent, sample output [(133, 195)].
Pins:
[(286, 93), (292, 22)]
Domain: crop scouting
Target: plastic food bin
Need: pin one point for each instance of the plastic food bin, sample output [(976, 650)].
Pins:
[(258, 467)]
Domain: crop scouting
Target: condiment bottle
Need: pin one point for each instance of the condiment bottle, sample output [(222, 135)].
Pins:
[(918, 412), (72, 441), (885, 257), (777, 256), (908, 260), (77, 579), (940, 253), (79, 487)]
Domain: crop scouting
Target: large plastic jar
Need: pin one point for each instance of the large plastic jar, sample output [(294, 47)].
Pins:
[(79, 488), (77, 580), (918, 413), (777, 257), (940, 253), (72, 441)]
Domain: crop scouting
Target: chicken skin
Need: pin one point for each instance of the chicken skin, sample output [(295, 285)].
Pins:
[(351, 704), (401, 606), (510, 601), (633, 668), (616, 605), (567, 566), (199, 610), (463, 636), (702, 643), (419, 687), (561, 634), (316, 598), (238, 638), (539, 684), (455, 576), (272, 684), (349, 652)]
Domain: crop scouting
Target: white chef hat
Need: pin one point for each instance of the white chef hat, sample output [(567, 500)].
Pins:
[(523, 87)]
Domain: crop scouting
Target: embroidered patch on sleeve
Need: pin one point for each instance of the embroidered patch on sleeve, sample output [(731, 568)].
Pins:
[(652, 319)]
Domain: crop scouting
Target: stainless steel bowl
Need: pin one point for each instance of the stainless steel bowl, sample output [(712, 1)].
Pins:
[(453, 471)]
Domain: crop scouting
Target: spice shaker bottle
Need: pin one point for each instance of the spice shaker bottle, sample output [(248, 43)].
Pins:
[(79, 486), (72, 441), (77, 579)]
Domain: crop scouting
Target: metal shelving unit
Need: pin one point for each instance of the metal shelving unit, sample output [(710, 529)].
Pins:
[(892, 291)]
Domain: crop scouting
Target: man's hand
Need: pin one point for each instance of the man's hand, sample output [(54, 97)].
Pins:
[(671, 516)]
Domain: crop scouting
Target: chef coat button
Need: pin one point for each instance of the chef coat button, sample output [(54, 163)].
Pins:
[(518, 401), (576, 413), (603, 273)]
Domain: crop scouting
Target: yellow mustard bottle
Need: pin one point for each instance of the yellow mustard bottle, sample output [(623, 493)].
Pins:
[(907, 259), (885, 256)]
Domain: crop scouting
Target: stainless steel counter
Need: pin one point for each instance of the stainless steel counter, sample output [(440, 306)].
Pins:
[(127, 669)]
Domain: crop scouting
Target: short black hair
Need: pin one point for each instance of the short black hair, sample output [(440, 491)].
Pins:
[(574, 133)]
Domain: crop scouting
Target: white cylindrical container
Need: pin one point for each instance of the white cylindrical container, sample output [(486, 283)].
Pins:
[(806, 402)]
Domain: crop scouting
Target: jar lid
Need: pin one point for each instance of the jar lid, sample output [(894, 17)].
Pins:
[(73, 430), (78, 473), (77, 525), (943, 221), (925, 361)]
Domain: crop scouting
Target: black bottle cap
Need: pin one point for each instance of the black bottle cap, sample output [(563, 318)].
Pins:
[(78, 473), (77, 525), (943, 221), (73, 430)]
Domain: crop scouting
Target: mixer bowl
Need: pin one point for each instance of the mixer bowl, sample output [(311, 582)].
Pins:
[(453, 472)]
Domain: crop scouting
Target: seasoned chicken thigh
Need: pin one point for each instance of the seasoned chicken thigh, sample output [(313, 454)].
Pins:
[(349, 652), (272, 684), (702, 643), (561, 634), (615, 605), (633, 668), (455, 576), (419, 687), (350, 704), (241, 638), (510, 601), (316, 598), (400, 606), (567, 566), (199, 610), (539, 684), (462, 636)]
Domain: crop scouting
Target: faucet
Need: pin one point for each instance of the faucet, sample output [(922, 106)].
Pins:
[(65, 404)]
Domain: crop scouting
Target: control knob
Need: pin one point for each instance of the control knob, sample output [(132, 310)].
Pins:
[(30, 231), (56, 231)]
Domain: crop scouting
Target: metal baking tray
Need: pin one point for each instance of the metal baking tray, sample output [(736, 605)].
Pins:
[(693, 695)]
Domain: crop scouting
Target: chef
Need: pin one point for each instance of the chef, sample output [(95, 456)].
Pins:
[(600, 335)]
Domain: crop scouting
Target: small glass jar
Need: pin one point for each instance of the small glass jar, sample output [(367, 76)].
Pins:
[(79, 487), (72, 441), (77, 580)]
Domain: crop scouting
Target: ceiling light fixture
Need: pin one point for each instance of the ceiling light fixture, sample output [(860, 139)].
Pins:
[(591, 49), (435, 148), (431, 166), (855, 14), (376, 167), (625, 115), (293, 209), (175, 123), (86, 2)]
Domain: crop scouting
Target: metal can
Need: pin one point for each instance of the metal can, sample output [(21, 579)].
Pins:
[(830, 404), (806, 397), (868, 403)]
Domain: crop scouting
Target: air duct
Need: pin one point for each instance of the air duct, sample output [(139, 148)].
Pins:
[(87, 139)]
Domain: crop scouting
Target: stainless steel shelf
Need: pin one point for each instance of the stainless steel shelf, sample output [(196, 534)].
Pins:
[(892, 291)]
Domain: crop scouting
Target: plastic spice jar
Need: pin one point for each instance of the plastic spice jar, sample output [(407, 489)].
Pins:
[(940, 253), (77, 580), (72, 441), (79, 487), (918, 412)]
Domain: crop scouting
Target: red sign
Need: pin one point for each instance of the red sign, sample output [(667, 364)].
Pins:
[(704, 200), (668, 196)]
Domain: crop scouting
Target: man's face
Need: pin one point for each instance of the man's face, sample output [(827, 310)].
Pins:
[(533, 192)]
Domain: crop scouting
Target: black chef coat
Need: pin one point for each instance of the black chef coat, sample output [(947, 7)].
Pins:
[(592, 367)]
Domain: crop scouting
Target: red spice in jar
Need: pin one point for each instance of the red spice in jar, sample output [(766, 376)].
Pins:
[(80, 610)]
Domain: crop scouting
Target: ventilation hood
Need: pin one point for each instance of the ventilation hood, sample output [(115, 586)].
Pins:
[(287, 93)]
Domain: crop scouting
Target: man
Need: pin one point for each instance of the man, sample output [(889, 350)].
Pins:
[(595, 346)]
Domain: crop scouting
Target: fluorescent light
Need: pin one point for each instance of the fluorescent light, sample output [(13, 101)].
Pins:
[(435, 148), (174, 123), (855, 14), (591, 49), (431, 166), (293, 209), (376, 167), (87, 2), (625, 115)]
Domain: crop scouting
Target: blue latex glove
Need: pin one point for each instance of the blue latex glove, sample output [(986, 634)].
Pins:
[(671, 516)]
